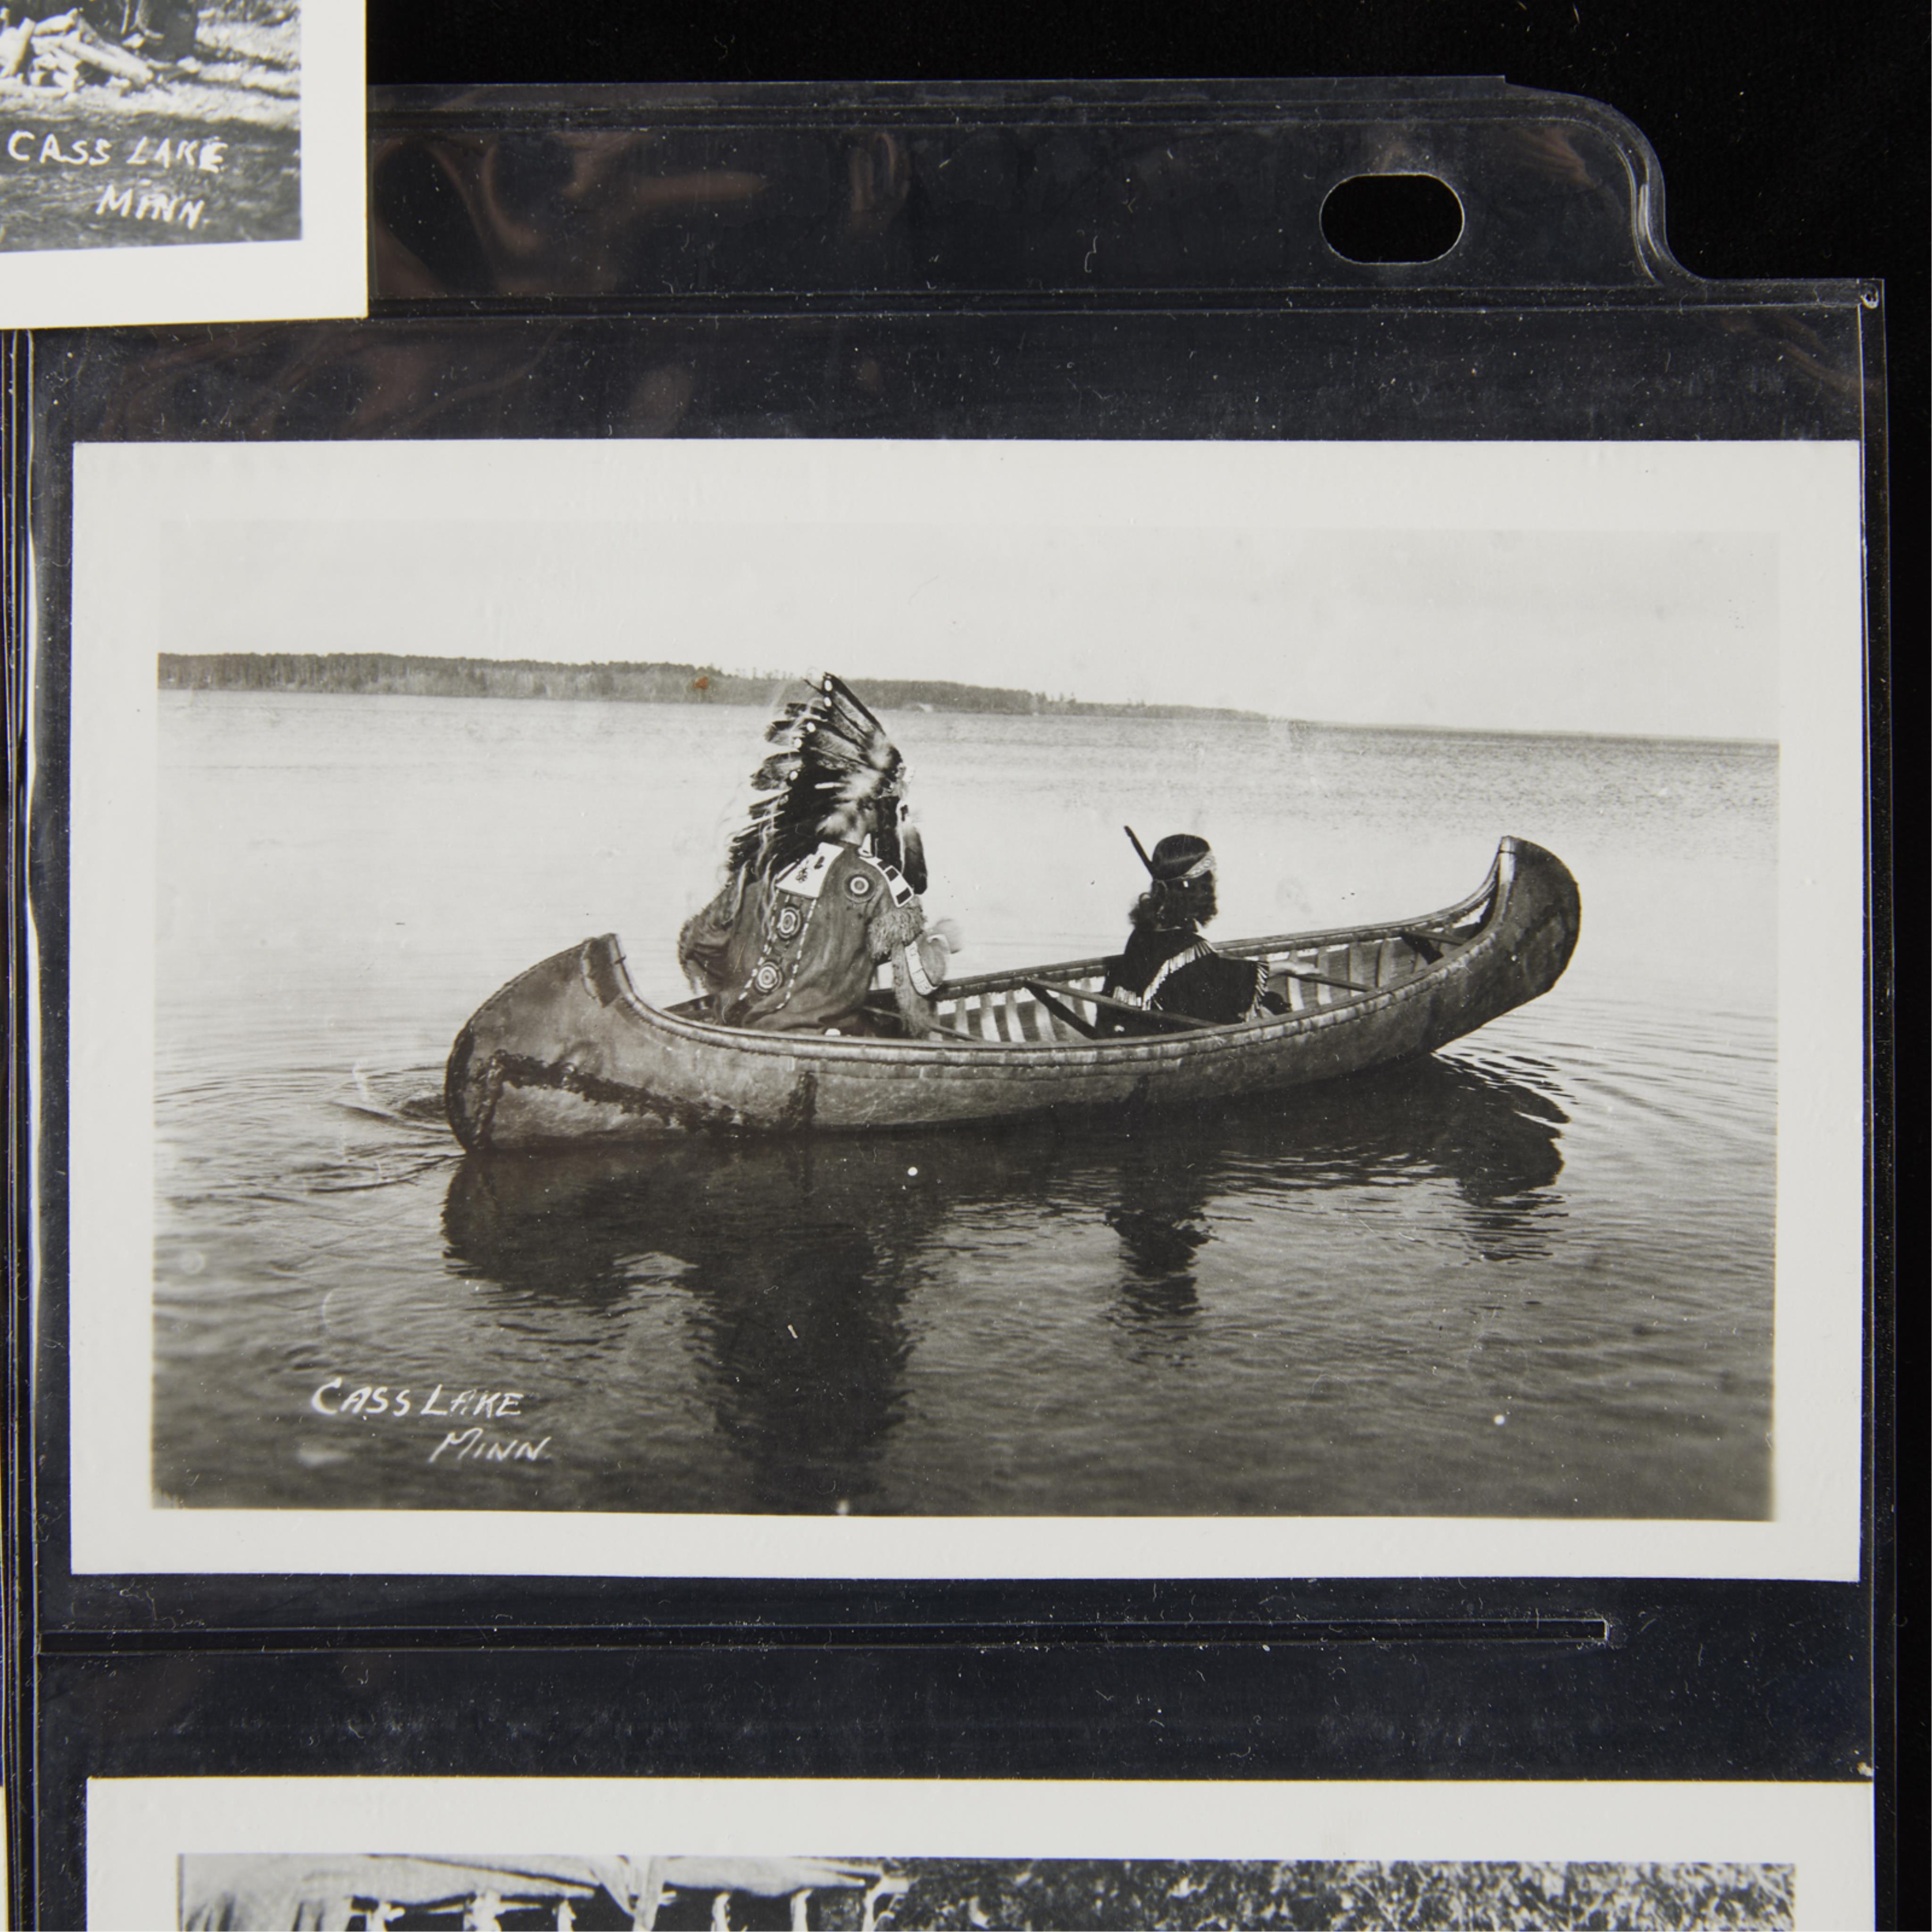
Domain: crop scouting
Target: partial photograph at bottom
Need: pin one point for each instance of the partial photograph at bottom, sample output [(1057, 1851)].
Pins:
[(277, 1892), (1091, 1855)]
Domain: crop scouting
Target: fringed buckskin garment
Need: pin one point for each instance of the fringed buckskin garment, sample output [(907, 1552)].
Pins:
[(1166, 965), (796, 952)]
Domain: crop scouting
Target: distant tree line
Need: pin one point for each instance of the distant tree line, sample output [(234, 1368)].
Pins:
[(382, 674)]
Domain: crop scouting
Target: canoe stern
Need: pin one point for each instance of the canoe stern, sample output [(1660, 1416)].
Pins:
[(535, 1062)]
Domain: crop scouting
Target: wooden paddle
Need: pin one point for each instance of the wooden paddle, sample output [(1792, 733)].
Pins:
[(1043, 991)]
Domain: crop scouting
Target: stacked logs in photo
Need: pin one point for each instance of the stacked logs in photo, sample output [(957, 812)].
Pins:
[(62, 53)]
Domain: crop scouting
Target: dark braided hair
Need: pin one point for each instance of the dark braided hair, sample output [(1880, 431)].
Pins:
[(1176, 905)]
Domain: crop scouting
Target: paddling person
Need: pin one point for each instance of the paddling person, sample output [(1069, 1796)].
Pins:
[(822, 885), (1167, 967)]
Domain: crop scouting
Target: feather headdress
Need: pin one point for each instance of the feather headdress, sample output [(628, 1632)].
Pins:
[(834, 760)]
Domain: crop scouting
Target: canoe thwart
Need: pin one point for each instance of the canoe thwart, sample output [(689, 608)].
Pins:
[(1325, 978)]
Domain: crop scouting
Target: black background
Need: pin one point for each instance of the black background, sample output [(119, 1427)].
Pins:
[(1794, 141)]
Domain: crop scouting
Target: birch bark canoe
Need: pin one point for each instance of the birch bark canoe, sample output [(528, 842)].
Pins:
[(568, 1051)]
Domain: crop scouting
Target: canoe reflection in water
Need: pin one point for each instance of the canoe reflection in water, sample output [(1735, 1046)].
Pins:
[(801, 1264)]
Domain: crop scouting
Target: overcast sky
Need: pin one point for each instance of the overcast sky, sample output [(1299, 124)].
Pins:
[(1611, 631), (1620, 588)]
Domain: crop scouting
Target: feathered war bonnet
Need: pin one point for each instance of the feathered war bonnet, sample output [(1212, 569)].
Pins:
[(834, 760)]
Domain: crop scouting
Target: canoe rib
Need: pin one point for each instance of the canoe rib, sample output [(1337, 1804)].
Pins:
[(568, 1051)]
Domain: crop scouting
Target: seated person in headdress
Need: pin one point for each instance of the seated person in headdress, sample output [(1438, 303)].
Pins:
[(822, 885), (1168, 966)]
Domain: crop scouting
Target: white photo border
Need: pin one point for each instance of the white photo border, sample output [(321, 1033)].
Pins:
[(138, 1828), (1807, 495)]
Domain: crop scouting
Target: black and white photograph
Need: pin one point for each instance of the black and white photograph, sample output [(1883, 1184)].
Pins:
[(181, 160), (967, 1008), (352, 1854), (135, 123), (285, 1892)]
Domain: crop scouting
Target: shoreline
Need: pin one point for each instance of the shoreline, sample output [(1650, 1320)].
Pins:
[(1051, 708), (383, 675)]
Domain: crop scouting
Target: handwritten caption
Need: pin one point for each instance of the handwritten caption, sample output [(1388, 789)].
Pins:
[(474, 1406), (177, 201)]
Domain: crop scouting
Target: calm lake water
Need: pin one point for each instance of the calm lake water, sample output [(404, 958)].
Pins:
[(1318, 1304)]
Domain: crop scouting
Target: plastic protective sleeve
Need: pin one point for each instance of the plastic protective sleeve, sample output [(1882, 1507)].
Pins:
[(958, 263)]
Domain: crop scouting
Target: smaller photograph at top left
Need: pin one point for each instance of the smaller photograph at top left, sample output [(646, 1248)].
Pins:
[(144, 122), (175, 160)]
